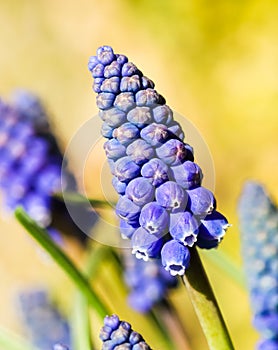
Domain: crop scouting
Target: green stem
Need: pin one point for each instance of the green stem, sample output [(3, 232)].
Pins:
[(80, 319), (173, 324), (11, 341), (42, 237), (205, 304), (80, 323)]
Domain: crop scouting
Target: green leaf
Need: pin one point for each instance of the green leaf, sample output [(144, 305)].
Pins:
[(12, 341), (77, 198), (223, 262), (81, 282), (205, 304)]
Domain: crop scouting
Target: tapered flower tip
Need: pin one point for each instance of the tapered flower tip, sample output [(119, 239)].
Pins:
[(112, 321), (254, 192), (175, 257), (105, 54), (119, 335)]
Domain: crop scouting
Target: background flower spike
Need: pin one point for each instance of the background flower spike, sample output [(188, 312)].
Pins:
[(31, 168), (42, 321), (258, 217)]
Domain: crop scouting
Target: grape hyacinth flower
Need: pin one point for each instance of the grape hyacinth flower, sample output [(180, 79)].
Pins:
[(45, 326), (31, 165), (259, 242), (161, 196), (148, 283), (116, 334)]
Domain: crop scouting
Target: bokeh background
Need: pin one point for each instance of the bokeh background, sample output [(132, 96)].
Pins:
[(215, 62)]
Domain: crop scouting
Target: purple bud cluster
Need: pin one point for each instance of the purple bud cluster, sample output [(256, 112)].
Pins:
[(163, 208), (45, 326), (116, 334), (148, 283), (31, 163), (259, 242)]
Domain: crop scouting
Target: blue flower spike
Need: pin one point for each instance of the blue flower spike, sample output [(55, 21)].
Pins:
[(163, 206), (31, 165), (148, 283), (117, 334), (259, 243)]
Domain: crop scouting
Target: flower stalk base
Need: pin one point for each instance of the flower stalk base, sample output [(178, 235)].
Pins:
[(205, 305)]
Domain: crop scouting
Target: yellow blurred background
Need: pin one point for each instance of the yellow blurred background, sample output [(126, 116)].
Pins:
[(215, 63)]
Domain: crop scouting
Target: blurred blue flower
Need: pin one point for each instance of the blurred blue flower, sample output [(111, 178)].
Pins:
[(259, 242), (43, 323), (60, 346), (31, 165), (148, 282), (153, 168)]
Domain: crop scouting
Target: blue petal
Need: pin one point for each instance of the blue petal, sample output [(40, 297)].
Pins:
[(154, 218), (127, 210), (188, 175), (126, 169), (201, 201), (140, 191), (175, 257), (155, 171), (140, 151), (184, 228), (145, 245), (171, 196)]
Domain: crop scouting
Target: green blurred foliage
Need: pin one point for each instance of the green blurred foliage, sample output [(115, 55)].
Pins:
[(215, 62)]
